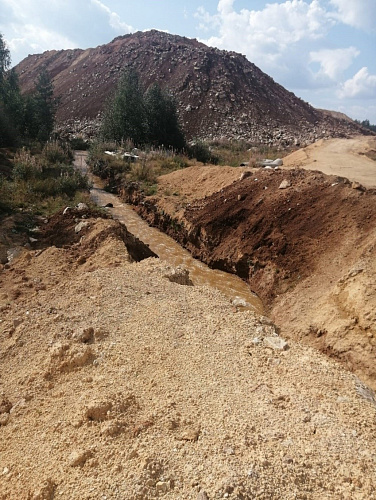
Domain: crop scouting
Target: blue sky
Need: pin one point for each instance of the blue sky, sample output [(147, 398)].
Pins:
[(322, 50)]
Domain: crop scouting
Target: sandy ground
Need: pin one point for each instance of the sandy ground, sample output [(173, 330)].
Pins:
[(344, 157), (119, 383), (307, 250)]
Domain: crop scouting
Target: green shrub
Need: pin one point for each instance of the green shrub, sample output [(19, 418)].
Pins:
[(5, 195), (143, 172), (34, 180), (79, 144), (54, 153), (202, 153)]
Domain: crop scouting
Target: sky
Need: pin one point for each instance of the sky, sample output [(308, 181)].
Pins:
[(322, 50)]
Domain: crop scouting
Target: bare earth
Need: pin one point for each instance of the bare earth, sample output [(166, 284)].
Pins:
[(344, 157), (117, 382), (308, 250)]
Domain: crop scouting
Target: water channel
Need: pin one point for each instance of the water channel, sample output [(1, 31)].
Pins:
[(235, 289)]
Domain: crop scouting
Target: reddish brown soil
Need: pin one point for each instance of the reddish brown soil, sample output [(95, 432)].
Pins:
[(218, 93), (255, 229), (307, 250)]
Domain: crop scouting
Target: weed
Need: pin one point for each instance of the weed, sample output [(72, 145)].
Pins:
[(143, 172), (54, 153), (38, 185)]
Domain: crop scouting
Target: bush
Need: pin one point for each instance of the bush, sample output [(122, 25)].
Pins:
[(26, 166), (5, 195), (143, 172), (79, 144), (201, 152), (35, 182), (54, 153)]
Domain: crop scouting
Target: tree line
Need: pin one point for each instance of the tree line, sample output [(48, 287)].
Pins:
[(24, 118), (145, 117), (367, 124)]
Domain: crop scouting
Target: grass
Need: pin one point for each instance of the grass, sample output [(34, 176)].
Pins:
[(118, 171), (155, 162), (41, 183), (233, 153)]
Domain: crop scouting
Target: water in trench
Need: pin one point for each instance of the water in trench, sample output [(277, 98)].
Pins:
[(170, 251)]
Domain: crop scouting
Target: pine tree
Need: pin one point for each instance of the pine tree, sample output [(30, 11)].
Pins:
[(13, 100), (162, 119), (21, 118), (149, 118), (45, 106), (8, 134), (5, 59), (125, 115)]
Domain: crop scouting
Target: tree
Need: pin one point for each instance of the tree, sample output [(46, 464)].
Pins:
[(7, 130), (45, 106), (13, 100), (30, 117), (366, 123), (162, 119), (143, 118), (125, 115), (5, 59)]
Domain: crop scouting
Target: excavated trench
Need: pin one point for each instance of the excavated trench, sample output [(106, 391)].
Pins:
[(299, 247), (306, 251), (166, 248)]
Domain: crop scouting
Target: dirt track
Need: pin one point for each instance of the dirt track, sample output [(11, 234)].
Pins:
[(344, 157)]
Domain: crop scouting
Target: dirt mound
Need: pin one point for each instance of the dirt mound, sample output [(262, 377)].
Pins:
[(89, 228), (306, 250), (299, 237), (279, 224), (117, 382)]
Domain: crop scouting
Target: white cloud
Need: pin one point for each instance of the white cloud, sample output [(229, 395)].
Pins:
[(361, 85), (333, 62), (225, 6), (32, 26), (114, 18), (266, 36), (37, 40), (291, 40), (357, 13), (207, 21)]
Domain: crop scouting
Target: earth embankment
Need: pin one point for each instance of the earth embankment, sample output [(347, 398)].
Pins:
[(302, 239)]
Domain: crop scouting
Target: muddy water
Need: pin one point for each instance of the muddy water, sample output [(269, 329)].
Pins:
[(168, 250)]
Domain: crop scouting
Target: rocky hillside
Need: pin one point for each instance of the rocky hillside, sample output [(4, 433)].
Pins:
[(219, 93)]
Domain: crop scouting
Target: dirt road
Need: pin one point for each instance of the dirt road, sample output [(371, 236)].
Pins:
[(343, 157)]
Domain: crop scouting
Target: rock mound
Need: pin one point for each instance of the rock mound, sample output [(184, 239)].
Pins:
[(219, 94)]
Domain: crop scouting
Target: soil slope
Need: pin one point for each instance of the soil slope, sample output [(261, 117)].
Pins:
[(117, 382), (305, 242)]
